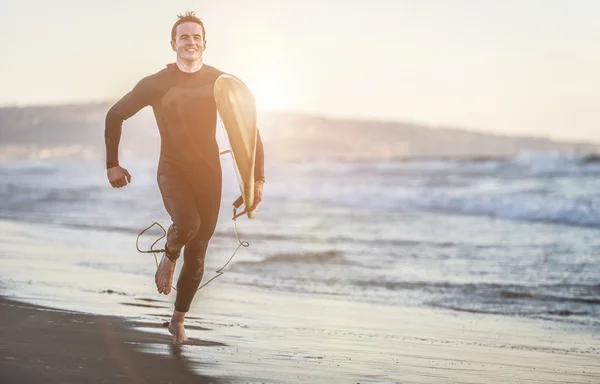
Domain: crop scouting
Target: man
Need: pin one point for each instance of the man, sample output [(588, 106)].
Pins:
[(189, 168)]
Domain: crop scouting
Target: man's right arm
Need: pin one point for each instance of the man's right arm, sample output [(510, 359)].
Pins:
[(129, 105)]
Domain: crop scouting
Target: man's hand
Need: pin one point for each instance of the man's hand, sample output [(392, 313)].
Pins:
[(258, 189), (118, 176)]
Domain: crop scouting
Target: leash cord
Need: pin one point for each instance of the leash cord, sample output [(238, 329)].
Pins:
[(219, 272)]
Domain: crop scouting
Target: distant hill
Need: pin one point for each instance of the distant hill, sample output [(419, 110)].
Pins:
[(77, 131)]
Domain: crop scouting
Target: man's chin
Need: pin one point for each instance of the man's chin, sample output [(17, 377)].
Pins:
[(190, 57)]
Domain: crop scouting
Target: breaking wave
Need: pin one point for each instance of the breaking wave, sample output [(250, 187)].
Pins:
[(326, 257)]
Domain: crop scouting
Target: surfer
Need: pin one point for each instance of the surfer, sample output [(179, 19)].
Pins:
[(189, 168)]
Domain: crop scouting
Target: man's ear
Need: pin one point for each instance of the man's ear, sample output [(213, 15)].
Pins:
[(173, 46)]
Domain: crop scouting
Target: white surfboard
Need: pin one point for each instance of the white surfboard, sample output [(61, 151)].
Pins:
[(237, 109)]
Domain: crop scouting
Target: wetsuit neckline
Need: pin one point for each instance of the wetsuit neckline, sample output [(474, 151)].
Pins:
[(175, 69)]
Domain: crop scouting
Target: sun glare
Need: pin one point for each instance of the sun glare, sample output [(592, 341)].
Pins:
[(269, 94)]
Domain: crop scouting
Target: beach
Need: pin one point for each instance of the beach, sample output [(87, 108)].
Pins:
[(436, 225), (113, 331), (386, 272)]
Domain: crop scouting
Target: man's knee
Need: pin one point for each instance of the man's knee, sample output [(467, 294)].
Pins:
[(187, 228), (195, 254), (197, 269)]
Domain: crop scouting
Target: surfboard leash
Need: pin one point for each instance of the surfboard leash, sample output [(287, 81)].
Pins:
[(219, 272)]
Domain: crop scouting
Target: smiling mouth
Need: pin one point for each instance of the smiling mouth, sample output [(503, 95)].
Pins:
[(191, 50)]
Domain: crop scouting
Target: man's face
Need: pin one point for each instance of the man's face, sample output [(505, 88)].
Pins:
[(189, 42)]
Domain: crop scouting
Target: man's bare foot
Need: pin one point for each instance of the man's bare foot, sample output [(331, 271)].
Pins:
[(164, 275), (176, 327)]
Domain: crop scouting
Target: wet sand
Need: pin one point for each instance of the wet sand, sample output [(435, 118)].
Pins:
[(336, 344), (114, 331), (41, 345)]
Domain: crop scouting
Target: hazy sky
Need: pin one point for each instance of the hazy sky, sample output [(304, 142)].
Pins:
[(509, 66)]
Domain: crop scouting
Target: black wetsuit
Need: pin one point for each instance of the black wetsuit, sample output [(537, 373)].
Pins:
[(189, 168)]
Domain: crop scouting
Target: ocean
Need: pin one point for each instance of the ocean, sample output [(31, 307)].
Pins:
[(514, 236)]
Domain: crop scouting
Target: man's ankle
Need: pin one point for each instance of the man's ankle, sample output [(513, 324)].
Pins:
[(178, 317), (173, 256), (166, 255)]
